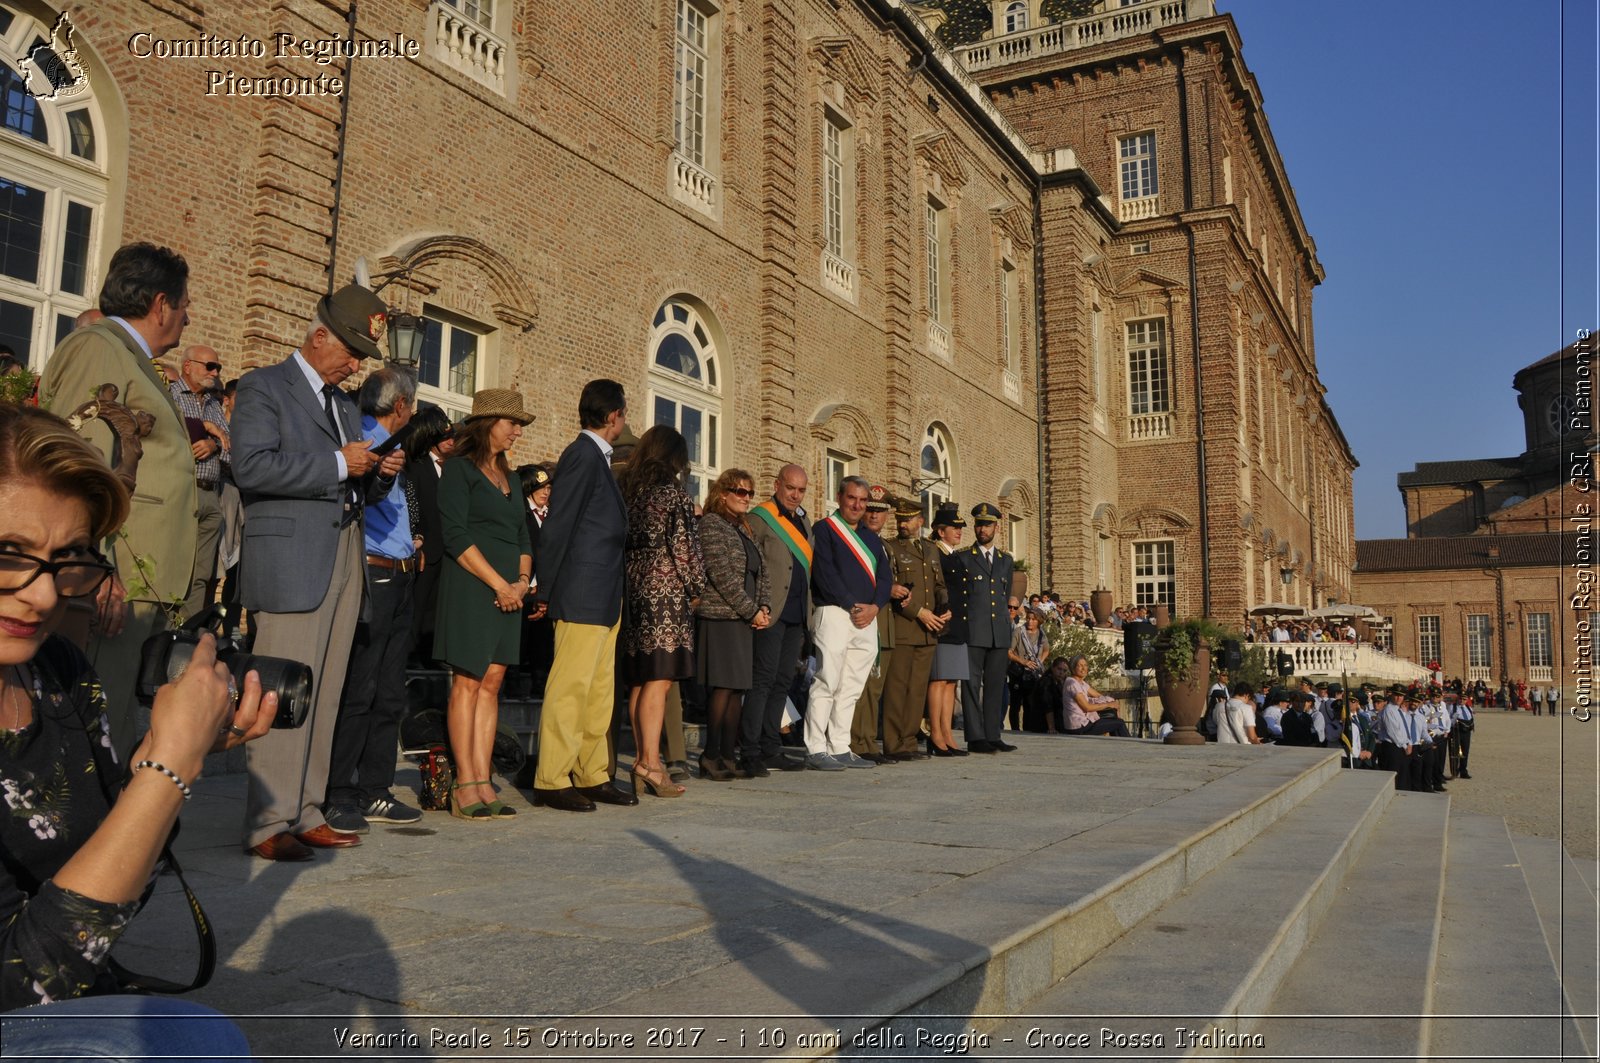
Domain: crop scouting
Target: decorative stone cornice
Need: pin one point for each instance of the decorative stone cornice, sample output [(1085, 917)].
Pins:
[(1015, 223), (840, 59), (940, 162)]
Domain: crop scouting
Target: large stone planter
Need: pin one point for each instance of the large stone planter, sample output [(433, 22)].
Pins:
[(1162, 615), (1100, 605), (1185, 700), (1019, 586)]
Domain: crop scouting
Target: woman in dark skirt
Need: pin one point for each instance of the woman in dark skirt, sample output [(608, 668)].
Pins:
[(664, 574), (950, 658), (735, 606), (487, 571)]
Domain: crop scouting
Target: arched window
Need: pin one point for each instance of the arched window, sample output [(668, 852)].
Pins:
[(1016, 17), (686, 386), (53, 186), (935, 480)]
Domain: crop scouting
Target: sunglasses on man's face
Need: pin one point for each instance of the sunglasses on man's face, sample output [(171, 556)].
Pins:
[(210, 367)]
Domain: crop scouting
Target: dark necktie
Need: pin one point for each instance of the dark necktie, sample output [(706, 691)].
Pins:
[(328, 391)]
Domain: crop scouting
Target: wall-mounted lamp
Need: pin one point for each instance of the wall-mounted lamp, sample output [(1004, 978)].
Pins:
[(406, 331), (1093, 259)]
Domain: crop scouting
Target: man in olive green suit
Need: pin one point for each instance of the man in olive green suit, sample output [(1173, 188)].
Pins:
[(145, 300), (918, 619)]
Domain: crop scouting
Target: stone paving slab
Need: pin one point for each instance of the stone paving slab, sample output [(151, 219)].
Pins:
[(784, 896)]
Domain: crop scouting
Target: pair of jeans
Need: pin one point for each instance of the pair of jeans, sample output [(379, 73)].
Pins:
[(122, 1028)]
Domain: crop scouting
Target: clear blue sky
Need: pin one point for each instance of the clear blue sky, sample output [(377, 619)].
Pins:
[(1425, 143)]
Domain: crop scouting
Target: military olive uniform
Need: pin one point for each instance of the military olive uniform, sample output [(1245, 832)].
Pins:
[(916, 565)]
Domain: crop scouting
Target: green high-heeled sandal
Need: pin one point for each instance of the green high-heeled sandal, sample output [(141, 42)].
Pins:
[(478, 811)]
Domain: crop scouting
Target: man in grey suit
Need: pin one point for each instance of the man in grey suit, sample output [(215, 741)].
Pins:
[(580, 580), (304, 472), (988, 634)]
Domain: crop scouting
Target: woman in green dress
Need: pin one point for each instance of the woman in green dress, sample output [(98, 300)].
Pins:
[(487, 570)]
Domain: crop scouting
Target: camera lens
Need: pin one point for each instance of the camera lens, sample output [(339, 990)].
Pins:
[(290, 680)]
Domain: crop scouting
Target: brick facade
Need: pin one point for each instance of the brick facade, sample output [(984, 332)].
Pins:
[(525, 180)]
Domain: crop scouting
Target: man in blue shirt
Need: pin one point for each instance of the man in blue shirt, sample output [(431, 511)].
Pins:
[(850, 581), (361, 768), (1394, 739)]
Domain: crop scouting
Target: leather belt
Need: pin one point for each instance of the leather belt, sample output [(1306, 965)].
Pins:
[(408, 564)]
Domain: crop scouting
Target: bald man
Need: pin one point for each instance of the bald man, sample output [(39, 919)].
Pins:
[(778, 526), (198, 393)]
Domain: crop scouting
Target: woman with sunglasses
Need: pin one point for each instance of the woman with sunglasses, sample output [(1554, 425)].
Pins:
[(83, 833), (735, 607)]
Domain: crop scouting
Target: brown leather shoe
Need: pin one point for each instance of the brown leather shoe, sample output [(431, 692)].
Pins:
[(282, 847), (567, 799), (325, 837), (608, 794)]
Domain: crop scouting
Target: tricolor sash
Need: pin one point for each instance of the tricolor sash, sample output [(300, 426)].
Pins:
[(857, 547), (786, 531)]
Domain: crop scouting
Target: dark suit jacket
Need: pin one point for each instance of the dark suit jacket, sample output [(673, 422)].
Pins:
[(425, 481), (988, 589), (580, 546), (283, 462)]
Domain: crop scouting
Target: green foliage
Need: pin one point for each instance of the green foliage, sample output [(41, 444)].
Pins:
[(1069, 640), (1177, 643), (16, 388), (1256, 667)]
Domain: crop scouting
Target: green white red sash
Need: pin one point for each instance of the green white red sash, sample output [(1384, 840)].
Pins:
[(786, 531), (857, 547)]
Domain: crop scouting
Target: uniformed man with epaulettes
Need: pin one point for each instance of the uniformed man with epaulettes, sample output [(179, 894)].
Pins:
[(1421, 746), (988, 633), (1438, 720), (1461, 725), (1394, 739), (917, 625), (864, 725)]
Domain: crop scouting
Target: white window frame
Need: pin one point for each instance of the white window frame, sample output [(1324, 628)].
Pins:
[(1155, 572), (837, 171), (1139, 176), (696, 109), (456, 402), (1149, 367), (683, 318), (942, 465), (1015, 16), (1541, 648), (1429, 638), (63, 178), (480, 12), (1011, 316), (1480, 641), (937, 260)]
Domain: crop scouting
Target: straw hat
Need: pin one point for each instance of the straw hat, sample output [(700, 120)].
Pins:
[(499, 402)]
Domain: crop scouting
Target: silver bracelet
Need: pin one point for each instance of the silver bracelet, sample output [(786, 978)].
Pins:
[(168, 772)]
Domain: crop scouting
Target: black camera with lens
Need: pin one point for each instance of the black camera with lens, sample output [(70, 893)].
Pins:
[(165, 655)]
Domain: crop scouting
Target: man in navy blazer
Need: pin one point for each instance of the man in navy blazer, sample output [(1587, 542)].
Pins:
[(580, 580), (304, 473)]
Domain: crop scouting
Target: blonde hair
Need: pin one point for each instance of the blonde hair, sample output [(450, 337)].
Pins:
[(717, 496), (39, 447)]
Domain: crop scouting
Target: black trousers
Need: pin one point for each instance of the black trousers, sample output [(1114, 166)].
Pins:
[(365, 740), (776, 652), (983, 694), (1393, 758), (1460, 749)]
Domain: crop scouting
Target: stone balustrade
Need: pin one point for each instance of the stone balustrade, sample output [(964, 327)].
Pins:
[(1012, 385), (462, 44), (693, 185), (1149, 426), (838, 275), (1058, 37), (938, 339), (1137, 209)]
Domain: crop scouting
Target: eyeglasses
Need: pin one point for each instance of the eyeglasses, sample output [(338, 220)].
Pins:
[(73, 579), (210, 367), (742, 492)]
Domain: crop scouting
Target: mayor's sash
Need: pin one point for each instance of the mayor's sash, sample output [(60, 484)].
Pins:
[(857, 547), (786, 532)]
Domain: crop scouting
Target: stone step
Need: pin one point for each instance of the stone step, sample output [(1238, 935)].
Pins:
[(1496, 991), (1212, 957), (1566, 909), (1362, 985), (986, 945)]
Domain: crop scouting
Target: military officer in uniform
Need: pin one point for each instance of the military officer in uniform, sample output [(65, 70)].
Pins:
[(917, 626), (864, 725), (988, 633), (1394, 739)]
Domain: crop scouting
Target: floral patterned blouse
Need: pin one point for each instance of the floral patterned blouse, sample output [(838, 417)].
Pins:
[(53, 942)]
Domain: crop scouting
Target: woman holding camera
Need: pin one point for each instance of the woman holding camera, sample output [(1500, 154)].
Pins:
[(83, 835)]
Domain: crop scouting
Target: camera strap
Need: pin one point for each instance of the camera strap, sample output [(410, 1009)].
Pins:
[(63, 661)]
